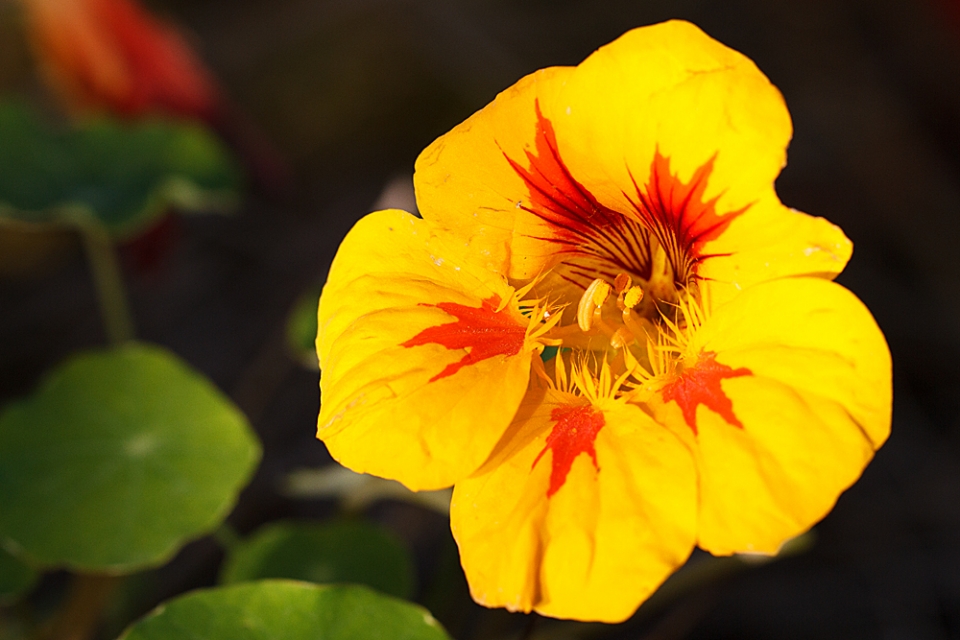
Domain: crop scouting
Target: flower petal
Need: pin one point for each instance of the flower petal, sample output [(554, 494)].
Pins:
[(681, 95), (812, 407), (422, 366), (466, 184), (662, 118), (597, 545)]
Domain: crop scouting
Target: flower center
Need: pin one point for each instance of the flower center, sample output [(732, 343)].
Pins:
[(655, 234), (624, 315)]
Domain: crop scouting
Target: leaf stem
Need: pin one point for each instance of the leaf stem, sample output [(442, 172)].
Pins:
[(107, 276), (82, 610)]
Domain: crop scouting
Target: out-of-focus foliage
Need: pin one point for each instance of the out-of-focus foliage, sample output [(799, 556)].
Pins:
[(290, 610), (352, 552), (118, 459), (302, 329), (122, 174), (15, 576)]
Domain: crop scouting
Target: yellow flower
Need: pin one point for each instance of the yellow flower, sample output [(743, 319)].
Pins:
[(712, 387)]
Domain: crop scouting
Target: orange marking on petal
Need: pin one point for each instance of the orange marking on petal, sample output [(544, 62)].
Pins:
[(700, 384), (574, 432), (483, 330)]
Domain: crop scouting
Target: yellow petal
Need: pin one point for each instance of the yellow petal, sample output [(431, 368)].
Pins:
[(464, 180), (662, 111), (813, 407), (424, 358), (603, 541), (771, 241)]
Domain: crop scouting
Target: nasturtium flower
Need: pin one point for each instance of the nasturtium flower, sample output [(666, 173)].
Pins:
[(709, 384), (113, 55)]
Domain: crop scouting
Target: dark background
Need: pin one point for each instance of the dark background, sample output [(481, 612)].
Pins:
[(351, 91)]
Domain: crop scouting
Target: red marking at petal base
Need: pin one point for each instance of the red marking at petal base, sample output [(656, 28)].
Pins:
[(579, 224), (483, 330), (682, 220), (574, 432), (700, 384), (665, 208)]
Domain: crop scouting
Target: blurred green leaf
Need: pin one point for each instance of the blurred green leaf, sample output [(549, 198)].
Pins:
[(124, 175), (302, 328), (118, 459), (15, 576), (274, 609), (339, 552)]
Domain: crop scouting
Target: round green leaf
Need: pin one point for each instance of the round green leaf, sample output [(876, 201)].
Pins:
[(274, 609), (118, 459), (340, 552), (15, 576), (120, 174)]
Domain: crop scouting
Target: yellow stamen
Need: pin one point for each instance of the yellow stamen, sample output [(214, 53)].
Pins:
[(591, 301), (632, 322), (621, 338)]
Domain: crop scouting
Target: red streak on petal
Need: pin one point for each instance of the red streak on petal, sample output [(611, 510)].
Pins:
[(483, 330), (574, 431), (580, 225), (665, 207), (681, 219), (700, 384)]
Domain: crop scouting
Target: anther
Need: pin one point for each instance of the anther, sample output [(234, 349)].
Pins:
[(632, 297), (623, 287), (591, 301), (622, 283)]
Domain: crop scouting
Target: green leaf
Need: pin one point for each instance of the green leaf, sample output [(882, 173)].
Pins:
[(274, 609), (118, 459), (339, 552), (302, 329), (123, 175), (15, 576)]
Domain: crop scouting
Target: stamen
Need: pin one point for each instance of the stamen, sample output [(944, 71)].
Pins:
[(591, 301), (633, 323), (628, 299), (621, 338), (632, 297)]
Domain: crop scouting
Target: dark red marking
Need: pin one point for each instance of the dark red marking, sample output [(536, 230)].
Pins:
[(677, 213), (482, 330), (670, 210), (581, 225), (574, 431), (700, 384)]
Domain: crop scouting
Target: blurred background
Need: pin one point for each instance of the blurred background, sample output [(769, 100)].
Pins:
[(348, 92)]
